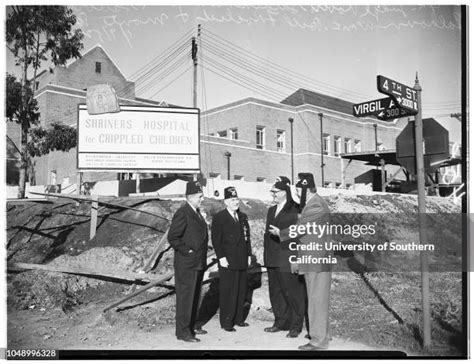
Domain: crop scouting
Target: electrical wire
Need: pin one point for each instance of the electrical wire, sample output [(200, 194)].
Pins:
[(274, 70), (168, 84)]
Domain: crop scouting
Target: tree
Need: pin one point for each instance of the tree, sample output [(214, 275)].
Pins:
[(39, 141), (35, 34)]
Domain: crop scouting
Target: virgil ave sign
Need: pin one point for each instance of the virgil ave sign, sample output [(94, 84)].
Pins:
[(406, 97), (139, 138), (384, 109)]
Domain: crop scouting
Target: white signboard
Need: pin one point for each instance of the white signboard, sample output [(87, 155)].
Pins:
[(139, 138)]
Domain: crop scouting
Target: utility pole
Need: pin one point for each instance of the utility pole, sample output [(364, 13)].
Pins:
[(420, 179), (292, 155), (195, 64), (322, 148), (194, 50)]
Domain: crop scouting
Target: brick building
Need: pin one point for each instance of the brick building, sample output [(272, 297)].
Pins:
[(58, 94), (255, 132)]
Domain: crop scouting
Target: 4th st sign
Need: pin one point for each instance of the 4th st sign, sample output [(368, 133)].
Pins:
[(384, 109), (405, 96)]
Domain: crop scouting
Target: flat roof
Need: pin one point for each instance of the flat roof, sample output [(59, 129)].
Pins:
[(390, 157), (373, 158)]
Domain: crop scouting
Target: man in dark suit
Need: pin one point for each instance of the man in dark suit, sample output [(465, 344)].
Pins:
[(317, 276), (286, 289), (231, 241), (188, 235)]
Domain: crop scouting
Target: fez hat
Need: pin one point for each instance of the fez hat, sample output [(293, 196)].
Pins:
[(282, 183), (193, 187), (305, 179), (230, 192)]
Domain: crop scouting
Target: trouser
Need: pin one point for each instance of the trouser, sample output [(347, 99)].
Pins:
[(232, 292), (318, 285), (188, 290), (287, 296)]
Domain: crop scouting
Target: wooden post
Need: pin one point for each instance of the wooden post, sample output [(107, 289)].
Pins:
[(94, 213), (420, 178), (79, 187), (382, 164), (137, 189)]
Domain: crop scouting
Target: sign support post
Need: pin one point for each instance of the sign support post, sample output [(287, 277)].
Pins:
[(420, 178), (94, 214)]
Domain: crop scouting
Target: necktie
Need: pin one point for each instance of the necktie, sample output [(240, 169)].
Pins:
[(236, 218), (199, 214)]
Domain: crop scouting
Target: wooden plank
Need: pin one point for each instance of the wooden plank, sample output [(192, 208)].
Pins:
[(152, 284), (159, 248), (89, 199), (162, 279), (124, 276)]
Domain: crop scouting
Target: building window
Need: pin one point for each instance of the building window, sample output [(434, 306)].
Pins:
[(260, 137), (214, 175), (280, 140), (349, 186), (98, 67), (328, 184), (326, 144), (238, 177), (233, 134), (222, 134), (261, 179), (347, 145), (125, 176), (337, 146), (357, 146), (338, 185)]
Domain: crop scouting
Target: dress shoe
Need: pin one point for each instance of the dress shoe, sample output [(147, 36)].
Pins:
[(189, 339), (293, 333), (200, 332), (272, 329), (230, 329), (311, 347), (242, 324)]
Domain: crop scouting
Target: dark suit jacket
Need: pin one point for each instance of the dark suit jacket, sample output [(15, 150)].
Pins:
[(316, 210), (188, 231), (231, 239), (276, 253)]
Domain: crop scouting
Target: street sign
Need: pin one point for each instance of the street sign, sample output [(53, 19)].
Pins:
[(405, 96), (384, 109), (435, 146)]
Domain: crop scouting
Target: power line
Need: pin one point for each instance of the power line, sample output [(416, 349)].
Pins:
[(176, 78), (280, 72), (302, 78), (246, 81)]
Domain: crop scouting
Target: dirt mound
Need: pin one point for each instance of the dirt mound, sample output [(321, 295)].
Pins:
[(56, 233)]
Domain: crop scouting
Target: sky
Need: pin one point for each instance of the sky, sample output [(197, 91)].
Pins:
[(341, 48)]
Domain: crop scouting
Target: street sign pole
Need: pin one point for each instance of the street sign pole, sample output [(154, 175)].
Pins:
[(420, 177)]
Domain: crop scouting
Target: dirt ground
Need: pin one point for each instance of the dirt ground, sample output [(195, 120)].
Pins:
[(370, 310)]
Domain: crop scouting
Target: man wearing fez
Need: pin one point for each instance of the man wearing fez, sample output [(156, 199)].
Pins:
[(286, 289), (231, 240), (317, 276), (188, 235)]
